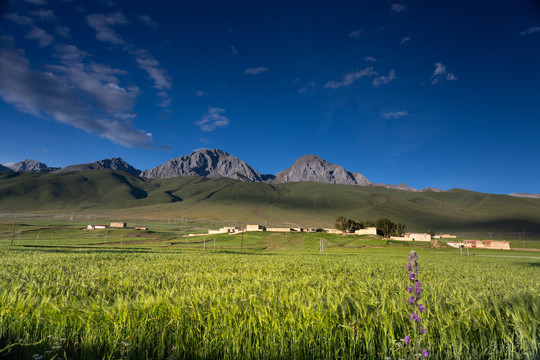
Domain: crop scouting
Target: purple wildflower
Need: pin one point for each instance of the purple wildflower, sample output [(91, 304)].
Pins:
[(411, 276), (425, 353), (409, 267), (421, 307), (418, 290), (409, 289), (406, 339), (411, 300), (422, 330), (415, 318)]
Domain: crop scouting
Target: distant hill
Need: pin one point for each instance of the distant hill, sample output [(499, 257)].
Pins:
[(112, 164), (5, 168), (32, 166), (208, 163), (313, 168), (303, 203)]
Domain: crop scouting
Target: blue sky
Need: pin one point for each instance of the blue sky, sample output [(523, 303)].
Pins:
[(428, 93)]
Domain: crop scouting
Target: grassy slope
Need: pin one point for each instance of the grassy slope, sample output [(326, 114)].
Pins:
[(308, 204)]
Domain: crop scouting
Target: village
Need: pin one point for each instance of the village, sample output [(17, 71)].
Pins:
[(424, 237)]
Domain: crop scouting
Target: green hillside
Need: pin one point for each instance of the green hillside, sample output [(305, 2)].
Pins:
[(304, 203)]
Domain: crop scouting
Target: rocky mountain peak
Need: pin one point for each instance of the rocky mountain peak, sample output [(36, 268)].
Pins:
[(32, 166), (205, 162), (313, 168)]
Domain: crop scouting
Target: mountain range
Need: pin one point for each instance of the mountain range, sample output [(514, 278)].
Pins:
[(216, 163)]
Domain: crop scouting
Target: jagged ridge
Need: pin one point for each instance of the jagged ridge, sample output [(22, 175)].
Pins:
[(207, 163)]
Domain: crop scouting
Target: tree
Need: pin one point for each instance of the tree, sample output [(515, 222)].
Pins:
[(385, 227), (347, 225), (401, 229)]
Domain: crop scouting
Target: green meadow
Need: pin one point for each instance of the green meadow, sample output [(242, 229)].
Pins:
[(159, 295)]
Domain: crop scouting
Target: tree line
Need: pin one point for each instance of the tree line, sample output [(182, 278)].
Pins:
[(385, 227)]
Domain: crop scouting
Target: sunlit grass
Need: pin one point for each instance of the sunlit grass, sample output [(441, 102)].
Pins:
[(142, 304)]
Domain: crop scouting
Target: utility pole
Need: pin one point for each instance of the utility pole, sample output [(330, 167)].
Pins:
[(242, 246), (12, 234)]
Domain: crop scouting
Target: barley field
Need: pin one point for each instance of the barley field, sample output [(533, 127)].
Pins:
[(151, 304)]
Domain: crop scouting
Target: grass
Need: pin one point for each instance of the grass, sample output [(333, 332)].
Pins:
[(139, 303), (310, 204)]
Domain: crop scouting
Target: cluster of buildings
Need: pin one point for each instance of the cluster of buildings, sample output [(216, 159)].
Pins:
[(482, 244), (114, 225)]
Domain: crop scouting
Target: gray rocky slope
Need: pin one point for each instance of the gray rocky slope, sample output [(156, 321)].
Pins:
[(207, 163), (5, 169), (113, 164), (313, 168), (32, 166)]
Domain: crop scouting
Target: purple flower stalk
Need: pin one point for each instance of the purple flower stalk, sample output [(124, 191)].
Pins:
[(415, 290)]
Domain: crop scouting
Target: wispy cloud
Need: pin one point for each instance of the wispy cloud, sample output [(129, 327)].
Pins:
[(382, 80), (306, 88), (395, 114), (441, 74), (43, 37), (44, 14), (350, 78), (356, 34), (63, 31), (212, 119), (148, 21), (201, 93), (85, 96), (255, 71), (234, 50), (398, 7), (369, 58), (102, 24), (148, 63), (18, 19), (404, 40), (531, 30)]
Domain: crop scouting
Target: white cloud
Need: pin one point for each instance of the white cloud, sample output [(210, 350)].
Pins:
[(201, 93), (440, 73), (356, 34), (148, 21), (398, 8), (404, 40), (63, 31), (43, 37), (148, 63), (369, 58), (395, 114), (44, 14), (102, 25), (74, 93), (234, 51), (305, 89), (212, 119), (255, 71), (382, 80), (350, 78), (531, 30), (19, 19)]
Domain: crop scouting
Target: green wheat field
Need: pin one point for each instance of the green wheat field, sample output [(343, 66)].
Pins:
[(277, 298)]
